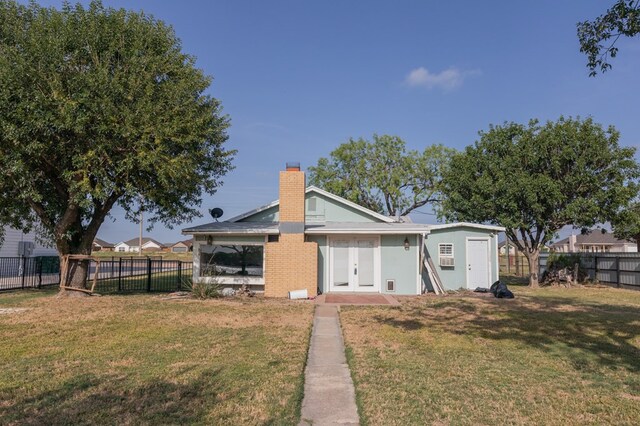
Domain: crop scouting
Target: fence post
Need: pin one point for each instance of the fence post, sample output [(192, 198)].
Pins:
[(120, 275), (39, 264), (618, 271), (148, 274), (179, 275), (595, 268), (24, 269)]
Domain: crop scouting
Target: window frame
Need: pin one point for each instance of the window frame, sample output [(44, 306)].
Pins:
[(440, 254)]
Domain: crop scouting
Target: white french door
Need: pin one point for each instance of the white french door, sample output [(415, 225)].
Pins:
[(354, 264)]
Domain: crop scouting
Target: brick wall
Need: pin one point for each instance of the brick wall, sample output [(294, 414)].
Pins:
[(290, 264)]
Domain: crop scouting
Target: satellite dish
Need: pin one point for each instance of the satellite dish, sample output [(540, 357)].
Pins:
[(216, 213)]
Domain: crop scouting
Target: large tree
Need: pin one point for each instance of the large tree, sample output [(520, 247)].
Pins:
[(598, 37), (626, 223), (383, 175), (99, 107), (534, 179)]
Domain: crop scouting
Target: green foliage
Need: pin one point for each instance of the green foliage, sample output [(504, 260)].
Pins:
[(626, 223), (99, 106), (557, 261), (622, 19), (383, 175), (535, 179)]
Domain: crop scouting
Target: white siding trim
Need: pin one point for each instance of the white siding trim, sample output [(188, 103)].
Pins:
[(497, 253), (419, 248), (468, 225)]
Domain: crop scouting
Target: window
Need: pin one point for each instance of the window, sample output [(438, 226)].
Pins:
[(312, 204), (121, 248), (445, 254), (232, 261)]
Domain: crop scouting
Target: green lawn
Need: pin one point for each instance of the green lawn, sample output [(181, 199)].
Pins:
[(551, 356), (140, 359)]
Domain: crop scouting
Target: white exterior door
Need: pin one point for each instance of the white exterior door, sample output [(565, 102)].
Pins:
[(478, 263), (354, 264)]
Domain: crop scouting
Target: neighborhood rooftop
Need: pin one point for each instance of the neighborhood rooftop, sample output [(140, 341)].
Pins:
[(594, 237), (136, 241)]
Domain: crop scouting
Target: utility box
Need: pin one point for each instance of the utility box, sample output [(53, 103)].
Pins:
[(25, 248)]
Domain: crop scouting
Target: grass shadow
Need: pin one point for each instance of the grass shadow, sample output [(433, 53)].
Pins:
[(89, 399), (602, 332)]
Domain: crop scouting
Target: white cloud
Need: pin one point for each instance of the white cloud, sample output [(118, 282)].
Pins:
[(448, 79)]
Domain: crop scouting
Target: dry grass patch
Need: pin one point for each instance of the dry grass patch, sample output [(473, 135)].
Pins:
[(140, 359), (552, 356)]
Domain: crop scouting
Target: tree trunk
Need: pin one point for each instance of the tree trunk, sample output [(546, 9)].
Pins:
[(76, 274), (638, 243), (76, 277), (533, 258)]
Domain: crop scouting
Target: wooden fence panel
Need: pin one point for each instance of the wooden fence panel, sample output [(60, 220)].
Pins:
[(616, 269)]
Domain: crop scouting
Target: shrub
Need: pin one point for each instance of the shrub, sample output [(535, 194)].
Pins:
[(205, 290), (561, 260)]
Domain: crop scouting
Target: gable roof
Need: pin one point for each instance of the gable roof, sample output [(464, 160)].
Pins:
[(594, 237), (102, 243), (186, 243), (135, 241), (324, 193)]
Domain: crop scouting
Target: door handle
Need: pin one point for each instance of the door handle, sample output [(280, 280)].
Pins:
[(355, 271)]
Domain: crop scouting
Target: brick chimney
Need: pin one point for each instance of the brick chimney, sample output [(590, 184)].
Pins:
[(291, 263), (292, 191)]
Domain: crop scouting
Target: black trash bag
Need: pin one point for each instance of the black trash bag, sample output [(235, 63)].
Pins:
[(501, 291)]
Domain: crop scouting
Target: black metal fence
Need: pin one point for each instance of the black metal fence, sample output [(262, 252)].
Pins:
[(114, 275), (28, 272), (141, 274)]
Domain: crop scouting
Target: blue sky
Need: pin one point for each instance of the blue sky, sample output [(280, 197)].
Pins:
[(298, 78)]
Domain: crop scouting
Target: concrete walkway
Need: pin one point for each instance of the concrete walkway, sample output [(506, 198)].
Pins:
[(357, 299), (329, 395)]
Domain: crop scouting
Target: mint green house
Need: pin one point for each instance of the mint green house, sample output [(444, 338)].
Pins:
[(358, 250)]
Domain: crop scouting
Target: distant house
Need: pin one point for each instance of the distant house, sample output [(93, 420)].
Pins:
[(181, 246), (101, 245), (594, 242), (17, 243), (502, 248), (132, 245)]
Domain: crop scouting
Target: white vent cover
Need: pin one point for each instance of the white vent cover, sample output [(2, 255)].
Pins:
[(446, 261), (391, 285)]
